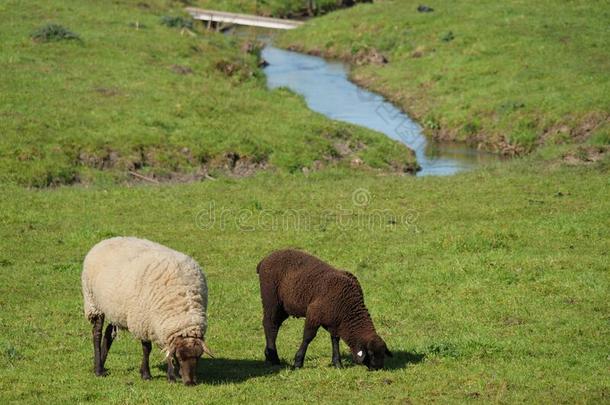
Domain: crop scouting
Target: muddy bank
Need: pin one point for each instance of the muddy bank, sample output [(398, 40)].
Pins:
[(157, 165)]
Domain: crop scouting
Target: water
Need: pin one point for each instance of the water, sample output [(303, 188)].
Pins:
[(327, 90)]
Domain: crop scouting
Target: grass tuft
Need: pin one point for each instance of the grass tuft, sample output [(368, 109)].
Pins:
[(177, 22), (53, 33)]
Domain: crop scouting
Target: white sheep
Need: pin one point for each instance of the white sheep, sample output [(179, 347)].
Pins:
[(158, 294)]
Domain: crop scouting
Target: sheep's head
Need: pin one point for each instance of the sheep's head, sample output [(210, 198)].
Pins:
[(372, 353), (187, 352)]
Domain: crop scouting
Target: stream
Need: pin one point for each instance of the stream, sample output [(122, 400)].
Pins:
[(328, 91)]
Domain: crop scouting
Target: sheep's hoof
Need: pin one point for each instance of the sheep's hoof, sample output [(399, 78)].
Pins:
[(146, 377), (297, 365), (272, 357), (338, 364), (101, 373)]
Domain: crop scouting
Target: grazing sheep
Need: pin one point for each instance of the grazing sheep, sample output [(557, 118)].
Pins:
[(156, 293), (298, 284)]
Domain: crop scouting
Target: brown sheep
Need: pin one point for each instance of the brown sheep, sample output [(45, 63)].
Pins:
[(294, 283)]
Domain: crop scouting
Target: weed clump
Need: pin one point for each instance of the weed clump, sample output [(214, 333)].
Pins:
[(53, 33), (176, 22), (448, 37), (424, 9), (237, 69), (12, 355)]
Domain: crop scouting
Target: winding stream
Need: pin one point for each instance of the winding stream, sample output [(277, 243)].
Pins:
[(327, 90)]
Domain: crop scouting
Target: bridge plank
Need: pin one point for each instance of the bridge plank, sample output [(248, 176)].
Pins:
[(242, 19)]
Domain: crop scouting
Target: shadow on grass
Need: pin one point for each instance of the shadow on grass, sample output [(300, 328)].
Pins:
[(403, 358), (400, 359), (219, 371)]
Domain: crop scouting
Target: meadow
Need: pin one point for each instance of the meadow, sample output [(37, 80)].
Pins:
[(488, 286), (169, 103)]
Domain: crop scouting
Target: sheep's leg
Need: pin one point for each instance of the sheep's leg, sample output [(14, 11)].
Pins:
[(171, 374), (98, 325), (309, 333), (272, 321), (336, 354), (144, 368), (176, 367), (106, 343)]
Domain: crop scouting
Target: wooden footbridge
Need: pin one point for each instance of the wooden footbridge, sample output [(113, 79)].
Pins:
[(222, 20)]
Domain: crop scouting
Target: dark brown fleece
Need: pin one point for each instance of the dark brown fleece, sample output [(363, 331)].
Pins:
[(298, 284)]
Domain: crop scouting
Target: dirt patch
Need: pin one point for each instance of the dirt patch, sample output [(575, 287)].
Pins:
[(405, 168), (365, 56), (108, 91), (576, 130), (102, 161), (345, 150), (181, 70), (512, 321), (369, 56), (585, 155), (237, 69), (235, 165), (148, 166), (343, 147)]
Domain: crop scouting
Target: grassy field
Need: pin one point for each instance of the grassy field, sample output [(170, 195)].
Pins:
[(491, 285), (508, 75), (488, 286), (135, 95)]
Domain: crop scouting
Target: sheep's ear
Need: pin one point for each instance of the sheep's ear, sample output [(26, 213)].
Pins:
[(207, 350), (388, 352)]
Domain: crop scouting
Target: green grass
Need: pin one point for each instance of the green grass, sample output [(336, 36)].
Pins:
[(136, 95), (509, 75), (491, 285)]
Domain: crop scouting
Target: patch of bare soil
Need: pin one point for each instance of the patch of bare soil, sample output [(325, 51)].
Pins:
[(181, 70), (585, 155), (366, 56), (575, 130), (345, 149), (237, 69), (107, 91), (369, 56), (146, 166), (238, 166)]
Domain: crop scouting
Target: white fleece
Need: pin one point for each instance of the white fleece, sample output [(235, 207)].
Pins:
[(153, 291)]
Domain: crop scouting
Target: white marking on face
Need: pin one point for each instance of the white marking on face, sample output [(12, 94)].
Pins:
[(359, 353)]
